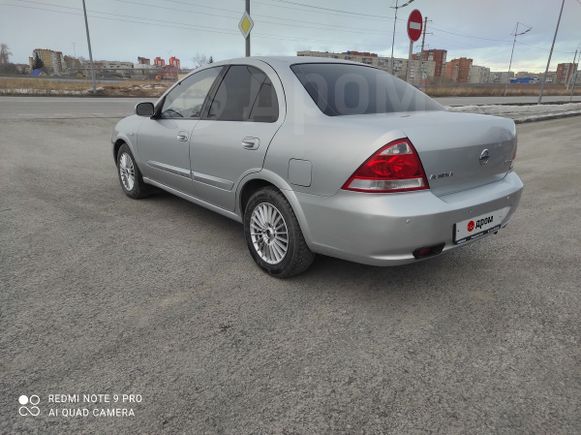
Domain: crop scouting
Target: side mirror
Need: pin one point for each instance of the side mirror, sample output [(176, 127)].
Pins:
[(145, 109)]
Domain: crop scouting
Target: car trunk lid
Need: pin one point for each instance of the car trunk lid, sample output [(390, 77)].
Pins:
[(461, 151)]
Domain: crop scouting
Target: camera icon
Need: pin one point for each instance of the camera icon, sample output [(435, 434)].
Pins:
[(29, 405)]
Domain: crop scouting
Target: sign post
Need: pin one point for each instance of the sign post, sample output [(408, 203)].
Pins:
[(245, 25), (414, 28)]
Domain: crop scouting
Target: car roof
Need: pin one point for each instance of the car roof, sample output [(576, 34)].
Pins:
[(282, 61)]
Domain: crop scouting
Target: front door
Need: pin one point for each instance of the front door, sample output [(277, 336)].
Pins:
[(163, 140), (232, 138)]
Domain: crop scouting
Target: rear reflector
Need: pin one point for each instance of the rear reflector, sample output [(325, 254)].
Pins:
[(428, 251), (396, 167)]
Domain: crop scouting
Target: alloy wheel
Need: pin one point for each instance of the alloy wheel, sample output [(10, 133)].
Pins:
[(127, 171), (269, 233)]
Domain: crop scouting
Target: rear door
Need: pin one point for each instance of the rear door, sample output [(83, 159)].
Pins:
[(231, 139), (163, 140)]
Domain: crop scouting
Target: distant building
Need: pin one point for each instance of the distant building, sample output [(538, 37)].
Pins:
[(72, 64), (158, 61), (419, 70), (53, 60), (436, 55), (22, 68), (168, 72), (500, 77), (479, 74), (552, 77), (565, 72), (114, 68), (174, 62), (400, 66), (143, 61), (458, 70)]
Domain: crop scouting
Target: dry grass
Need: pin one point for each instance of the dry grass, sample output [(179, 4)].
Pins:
[(496, 90), (45, 86), (141, 88)]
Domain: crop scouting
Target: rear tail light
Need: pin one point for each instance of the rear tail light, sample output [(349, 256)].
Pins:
[(396, 167)]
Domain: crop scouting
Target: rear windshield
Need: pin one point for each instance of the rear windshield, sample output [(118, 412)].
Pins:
[(345, 89)]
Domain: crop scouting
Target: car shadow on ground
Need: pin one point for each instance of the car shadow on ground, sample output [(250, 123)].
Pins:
[(324, 267)]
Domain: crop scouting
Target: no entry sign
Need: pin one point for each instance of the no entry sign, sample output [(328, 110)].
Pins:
[(415, 25)]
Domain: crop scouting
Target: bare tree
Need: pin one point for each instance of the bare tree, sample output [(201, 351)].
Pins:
[(201, 60), (5, 54)]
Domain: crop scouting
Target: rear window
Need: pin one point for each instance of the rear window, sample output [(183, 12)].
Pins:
[(345, 89)]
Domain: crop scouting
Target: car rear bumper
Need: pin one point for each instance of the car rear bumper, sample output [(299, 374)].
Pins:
[(385, 230)]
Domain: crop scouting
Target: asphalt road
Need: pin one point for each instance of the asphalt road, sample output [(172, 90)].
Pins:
[(76, 107), (101, 294)]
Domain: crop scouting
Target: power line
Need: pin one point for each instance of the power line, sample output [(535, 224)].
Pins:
[(162, 23), (325, 9), (469, 36), (286, 21), (292, 5)]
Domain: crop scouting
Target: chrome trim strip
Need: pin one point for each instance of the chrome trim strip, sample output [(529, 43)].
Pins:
[(218, 182), (169, 168)]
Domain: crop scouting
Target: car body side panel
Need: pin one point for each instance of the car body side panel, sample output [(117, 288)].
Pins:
[(219, 159)]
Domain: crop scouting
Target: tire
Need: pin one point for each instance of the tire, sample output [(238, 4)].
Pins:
[(130, 175), (266, 217)]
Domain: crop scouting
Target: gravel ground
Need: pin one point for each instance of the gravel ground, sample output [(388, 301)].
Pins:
[(100, 294)]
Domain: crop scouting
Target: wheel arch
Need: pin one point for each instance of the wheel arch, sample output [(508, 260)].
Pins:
[(253, 182), (118, 142)]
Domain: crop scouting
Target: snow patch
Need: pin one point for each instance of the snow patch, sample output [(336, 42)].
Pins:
[(523, 113)]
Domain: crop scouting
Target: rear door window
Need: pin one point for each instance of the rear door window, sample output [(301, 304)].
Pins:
[(245, 94)]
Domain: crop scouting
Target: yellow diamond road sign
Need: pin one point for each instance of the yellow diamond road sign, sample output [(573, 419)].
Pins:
[(245, 25)]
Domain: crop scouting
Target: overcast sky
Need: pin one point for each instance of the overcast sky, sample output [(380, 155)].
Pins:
[(125, 29)]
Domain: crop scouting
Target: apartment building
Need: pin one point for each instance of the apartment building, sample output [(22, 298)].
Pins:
[(479, 74), (500, 77), (458, 70), (53, 60), (400, 66), (438, 56), (565, 72)]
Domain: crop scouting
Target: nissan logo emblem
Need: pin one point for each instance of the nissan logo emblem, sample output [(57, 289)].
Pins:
[(484, 157)]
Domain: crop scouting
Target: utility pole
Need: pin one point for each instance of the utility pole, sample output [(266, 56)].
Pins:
[(393, 34), (572, 72), (573, 86), (422, 50), (396, 7), (90, 51), (550, 54), (512, 53), (248, 37), (574, 78)]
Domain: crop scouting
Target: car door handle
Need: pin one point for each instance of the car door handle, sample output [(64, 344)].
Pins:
[(182, 137), (251, 142)]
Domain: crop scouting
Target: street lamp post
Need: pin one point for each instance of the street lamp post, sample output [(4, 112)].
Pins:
[(516, 33), (550, 55), (396, 7), (90, 51)]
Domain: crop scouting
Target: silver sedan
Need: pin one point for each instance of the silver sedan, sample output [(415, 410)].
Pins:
[(320, 156)]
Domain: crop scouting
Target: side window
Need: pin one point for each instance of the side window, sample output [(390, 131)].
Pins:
[(265, 107), (245, 94), (187, 98)]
